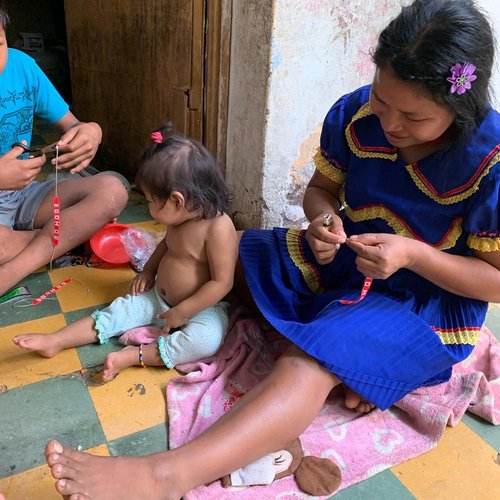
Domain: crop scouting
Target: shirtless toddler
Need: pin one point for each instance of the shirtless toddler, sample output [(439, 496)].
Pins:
[(181, 287)]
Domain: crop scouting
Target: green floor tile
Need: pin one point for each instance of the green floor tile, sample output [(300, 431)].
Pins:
[(136, 209), (33, 414), (93, 354), (488, 432), (37, 283), (152, 440), (383, 486)]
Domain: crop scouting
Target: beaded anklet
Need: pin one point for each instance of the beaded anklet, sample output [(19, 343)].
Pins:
[(141, 359)]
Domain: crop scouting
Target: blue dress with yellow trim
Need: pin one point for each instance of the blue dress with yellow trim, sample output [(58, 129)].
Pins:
[(407, 332)]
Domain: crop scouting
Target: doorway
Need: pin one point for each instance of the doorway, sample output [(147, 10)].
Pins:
[(135, 65)]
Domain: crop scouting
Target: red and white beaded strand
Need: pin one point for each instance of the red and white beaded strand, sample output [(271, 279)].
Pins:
[(56, 213)]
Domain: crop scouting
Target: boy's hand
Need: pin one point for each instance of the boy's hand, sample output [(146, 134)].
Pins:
[(78, 146), (325, 241), (380, 255), (173, 319), (17, 174), (141, 283)]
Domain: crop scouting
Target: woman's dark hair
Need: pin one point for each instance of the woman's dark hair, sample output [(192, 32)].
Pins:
[(4, 17), (430, 36), (177, 163)]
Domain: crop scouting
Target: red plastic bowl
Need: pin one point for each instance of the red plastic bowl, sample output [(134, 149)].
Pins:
[(106, 244)]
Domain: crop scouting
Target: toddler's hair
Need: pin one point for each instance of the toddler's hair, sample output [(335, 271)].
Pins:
[(426, 39), (4, 17), (178, 163)]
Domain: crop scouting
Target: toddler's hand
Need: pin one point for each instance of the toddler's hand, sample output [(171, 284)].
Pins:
[(141, 283), (380, 255), (325, 241), (173, 319)]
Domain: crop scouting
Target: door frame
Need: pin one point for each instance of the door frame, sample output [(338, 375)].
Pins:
[(218, 17)]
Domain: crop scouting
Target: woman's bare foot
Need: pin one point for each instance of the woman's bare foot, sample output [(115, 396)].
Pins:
[(354, 402), (87, 477), (46, 345), (115, 362)]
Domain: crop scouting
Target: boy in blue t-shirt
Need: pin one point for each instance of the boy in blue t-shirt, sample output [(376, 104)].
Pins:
[(26, 206)]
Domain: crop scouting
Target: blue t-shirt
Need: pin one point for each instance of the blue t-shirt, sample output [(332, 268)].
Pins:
[(25, 92)]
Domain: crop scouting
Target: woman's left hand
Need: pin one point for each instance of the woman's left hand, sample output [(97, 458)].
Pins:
[(380, 255), (78, 145)]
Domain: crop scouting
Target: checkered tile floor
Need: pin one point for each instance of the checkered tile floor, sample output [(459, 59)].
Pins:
[(43, 398)]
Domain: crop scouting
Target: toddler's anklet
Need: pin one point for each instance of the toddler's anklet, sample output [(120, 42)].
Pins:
[(141, 359)]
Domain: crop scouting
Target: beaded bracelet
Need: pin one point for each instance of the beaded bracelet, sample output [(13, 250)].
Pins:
[(141, 359)]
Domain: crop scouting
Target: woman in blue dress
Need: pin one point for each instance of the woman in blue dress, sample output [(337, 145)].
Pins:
[(413, 162)]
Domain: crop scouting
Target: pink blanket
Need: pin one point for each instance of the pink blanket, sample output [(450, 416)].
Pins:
[(361, 445)]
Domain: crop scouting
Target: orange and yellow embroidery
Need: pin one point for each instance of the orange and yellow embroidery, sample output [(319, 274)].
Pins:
[(366, 151), (308, 271), (484, 243), (459, 335), (460, 193), (331, 170), (398, 225)]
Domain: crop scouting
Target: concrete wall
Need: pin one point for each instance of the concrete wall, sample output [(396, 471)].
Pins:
[(290, 61)]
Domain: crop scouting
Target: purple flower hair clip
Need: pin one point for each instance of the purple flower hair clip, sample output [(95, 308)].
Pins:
[(461, 77)]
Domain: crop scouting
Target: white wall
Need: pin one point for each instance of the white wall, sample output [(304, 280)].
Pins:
[(492, 9)]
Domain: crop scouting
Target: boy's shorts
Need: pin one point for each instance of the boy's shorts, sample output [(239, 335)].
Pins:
[(19, 207)]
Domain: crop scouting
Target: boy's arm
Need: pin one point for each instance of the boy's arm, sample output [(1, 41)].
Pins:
[(79, 142), (222, 253)]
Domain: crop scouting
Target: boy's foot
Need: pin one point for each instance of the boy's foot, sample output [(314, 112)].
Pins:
[(98, 478), (115, 362), (44, 344)]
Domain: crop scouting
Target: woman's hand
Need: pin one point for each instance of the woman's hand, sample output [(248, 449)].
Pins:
[(17, 174), (381, 255), (325, 241), (141, 283), (78, 146)]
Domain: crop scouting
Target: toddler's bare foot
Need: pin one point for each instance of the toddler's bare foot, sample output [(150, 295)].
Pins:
[(115, 362), (44, 344), (354, 402), (89, 477)]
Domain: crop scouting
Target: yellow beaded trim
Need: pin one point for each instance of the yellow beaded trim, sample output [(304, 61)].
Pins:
[(461, 335), (483, 244), (399, 228), (308, 272), (364, 111), (323, 166), (449, 200)]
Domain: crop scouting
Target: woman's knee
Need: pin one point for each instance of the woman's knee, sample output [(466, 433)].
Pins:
[(296, 358)]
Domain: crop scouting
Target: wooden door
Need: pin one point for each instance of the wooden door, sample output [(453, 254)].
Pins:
[(134, 65)]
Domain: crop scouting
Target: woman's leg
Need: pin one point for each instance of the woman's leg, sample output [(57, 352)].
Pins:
[(267, 418)]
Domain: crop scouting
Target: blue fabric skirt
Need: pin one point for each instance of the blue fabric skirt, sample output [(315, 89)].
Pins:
[(406, 332)]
